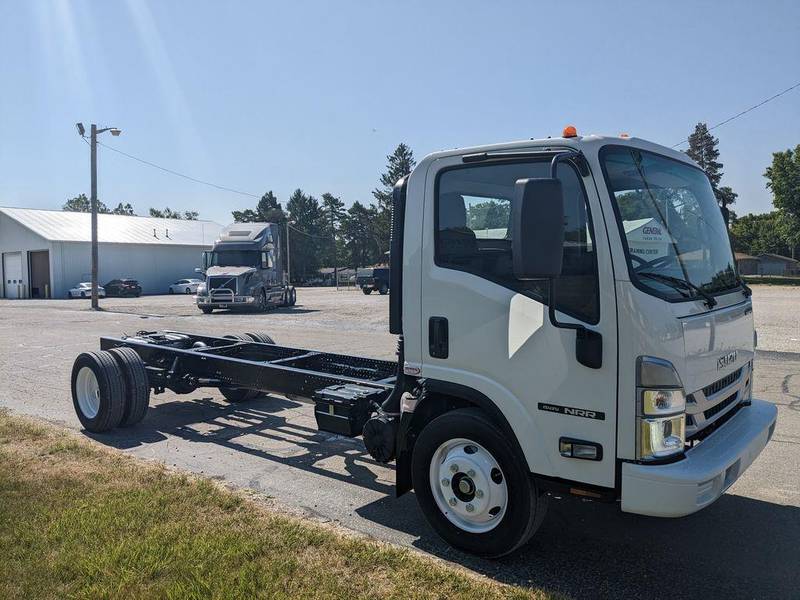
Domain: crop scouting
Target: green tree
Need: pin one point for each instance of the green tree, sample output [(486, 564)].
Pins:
[(783, 180), (399, 164), (703, 150), (123, 209), (306, 234), (332, 214), (360, 235), (81, 203), (268, 210), (168, 213), (758, 234)]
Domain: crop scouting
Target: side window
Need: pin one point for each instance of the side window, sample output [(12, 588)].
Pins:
[(271, 259), (264, 262), (473, 234)]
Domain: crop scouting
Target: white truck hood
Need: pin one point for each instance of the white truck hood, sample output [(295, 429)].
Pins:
[(716, 344)]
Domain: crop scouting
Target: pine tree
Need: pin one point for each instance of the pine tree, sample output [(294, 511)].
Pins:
[(126, 209), (268, 210), (332, 214), (306, 234), (703, 150), (399, 164), (360, 235)]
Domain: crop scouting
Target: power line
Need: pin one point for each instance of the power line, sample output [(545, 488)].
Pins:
[(744, 112), (176, 173), (319, 237)]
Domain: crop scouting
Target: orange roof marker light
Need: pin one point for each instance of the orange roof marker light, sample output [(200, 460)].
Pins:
[(624, 136), (569, 131)]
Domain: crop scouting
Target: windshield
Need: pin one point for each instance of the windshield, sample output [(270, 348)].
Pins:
[(670, 220), (234, 258)]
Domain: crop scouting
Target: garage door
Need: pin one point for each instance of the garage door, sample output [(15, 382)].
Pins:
[(12, 274)]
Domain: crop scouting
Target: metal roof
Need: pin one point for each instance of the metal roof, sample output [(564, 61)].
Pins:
[(64, 226)]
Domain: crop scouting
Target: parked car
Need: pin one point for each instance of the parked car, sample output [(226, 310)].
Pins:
[(374, 280), (185, 286), (84, 290), (123, 287)]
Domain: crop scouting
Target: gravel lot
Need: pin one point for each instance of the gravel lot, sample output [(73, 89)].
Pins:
[(745, 545)]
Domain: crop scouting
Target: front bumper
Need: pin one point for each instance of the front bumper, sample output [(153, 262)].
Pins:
[(225, 301), (681, 488)]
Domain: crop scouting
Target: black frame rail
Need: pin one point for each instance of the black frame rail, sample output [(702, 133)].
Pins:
[(183, 362)]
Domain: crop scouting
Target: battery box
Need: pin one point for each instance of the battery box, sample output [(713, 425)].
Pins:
[(344, 409)]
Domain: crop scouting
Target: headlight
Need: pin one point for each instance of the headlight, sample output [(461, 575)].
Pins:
[(201, 289), (661, 419)]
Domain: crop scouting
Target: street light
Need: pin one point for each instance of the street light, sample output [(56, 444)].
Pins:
[(93, 145)]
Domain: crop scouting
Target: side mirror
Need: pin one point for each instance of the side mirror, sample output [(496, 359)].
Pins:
[(205, 262), (537, 228)]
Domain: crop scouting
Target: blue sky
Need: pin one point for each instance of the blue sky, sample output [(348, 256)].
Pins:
[(258, 96)]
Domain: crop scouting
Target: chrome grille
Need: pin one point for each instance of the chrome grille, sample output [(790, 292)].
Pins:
[(220, 283), (711, 403), (721, 384)]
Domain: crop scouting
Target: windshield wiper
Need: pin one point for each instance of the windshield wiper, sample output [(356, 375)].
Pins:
[(677, 282)]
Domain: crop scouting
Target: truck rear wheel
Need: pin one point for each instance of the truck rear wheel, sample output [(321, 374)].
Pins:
[(240, 394), (367, 291), (98, 391), (260, 337), (383, 290), (472, 487), (137, 385)]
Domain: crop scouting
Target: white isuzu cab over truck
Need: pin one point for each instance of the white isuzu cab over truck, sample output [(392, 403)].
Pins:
[(570, 319)]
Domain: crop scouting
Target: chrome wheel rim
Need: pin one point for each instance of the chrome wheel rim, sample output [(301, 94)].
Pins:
[(87, 390), (468, 485)]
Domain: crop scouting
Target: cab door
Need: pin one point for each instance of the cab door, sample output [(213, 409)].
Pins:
[(485, 330)]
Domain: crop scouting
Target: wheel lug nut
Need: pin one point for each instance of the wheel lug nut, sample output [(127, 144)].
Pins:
[(471, 473), (454, 468), (470, 508), (479, 493), (453, 501), (445, 482)]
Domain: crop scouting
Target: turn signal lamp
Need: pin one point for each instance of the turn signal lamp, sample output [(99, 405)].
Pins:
[(569, 132)]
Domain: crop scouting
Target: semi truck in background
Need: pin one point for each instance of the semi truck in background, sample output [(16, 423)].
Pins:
[(570, 320), (245, 269)]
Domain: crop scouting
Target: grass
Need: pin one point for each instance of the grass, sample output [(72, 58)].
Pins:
[(771, 280), (78, 520)]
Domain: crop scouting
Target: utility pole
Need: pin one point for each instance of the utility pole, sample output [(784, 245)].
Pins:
[(288, 256), (93, 144), (94, 131)]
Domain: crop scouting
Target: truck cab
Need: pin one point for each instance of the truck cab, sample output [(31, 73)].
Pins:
[(245, 270), (611, 344)]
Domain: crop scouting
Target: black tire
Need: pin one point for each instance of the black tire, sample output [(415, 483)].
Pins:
[(171, 291), (207, 310), (525, 507), (261, 338), (262, 305), (188, 290), (83, 294), (110, 395), (367, 291), (292, 296), (384, 289), (137, 385)]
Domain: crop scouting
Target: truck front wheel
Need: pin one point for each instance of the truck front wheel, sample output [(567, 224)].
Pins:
[(472, 487), (207, 310)]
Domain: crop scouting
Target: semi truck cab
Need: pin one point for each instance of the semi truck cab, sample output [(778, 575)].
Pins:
[(245, 270)]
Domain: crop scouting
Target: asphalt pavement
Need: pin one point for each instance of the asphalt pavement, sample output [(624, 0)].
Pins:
[(743, 546)]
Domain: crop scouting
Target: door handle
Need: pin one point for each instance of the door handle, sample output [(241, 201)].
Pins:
[(438, 337)]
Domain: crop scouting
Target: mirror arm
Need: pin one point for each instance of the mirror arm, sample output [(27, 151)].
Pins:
[(551, 310)]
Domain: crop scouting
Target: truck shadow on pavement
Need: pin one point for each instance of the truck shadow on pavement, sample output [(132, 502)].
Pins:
[(736, 548)]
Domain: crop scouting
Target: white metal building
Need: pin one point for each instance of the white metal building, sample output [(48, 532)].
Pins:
[(43, 253)]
